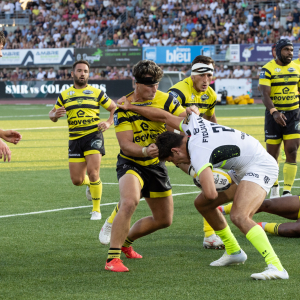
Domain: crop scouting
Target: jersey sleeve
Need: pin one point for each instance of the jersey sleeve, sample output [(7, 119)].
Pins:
[(104, 100), (176, 93), (121, 121), (199, 162), (59, 102), (173, 106), (265, 77), (211, 108)]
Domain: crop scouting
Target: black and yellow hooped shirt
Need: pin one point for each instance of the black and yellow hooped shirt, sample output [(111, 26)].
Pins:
[(83, 109)]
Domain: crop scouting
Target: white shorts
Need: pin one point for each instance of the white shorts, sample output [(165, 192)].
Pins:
[(263, 171)]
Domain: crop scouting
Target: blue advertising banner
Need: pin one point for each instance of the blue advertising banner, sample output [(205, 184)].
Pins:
[(176, 55), (260, 52)]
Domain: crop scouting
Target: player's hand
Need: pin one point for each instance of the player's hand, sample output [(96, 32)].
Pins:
[(279, 118), (124, 103), (193, 109), (11, 136), (60, 112), (4, 151), (102, 126), (152, 151)]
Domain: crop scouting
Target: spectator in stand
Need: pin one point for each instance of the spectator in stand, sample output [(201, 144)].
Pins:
[(40, 74), (238, 72), (51, 74), (254, 74), (66, 75), (59, 75), (247, 72)]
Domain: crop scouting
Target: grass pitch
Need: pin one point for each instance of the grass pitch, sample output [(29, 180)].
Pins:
[(50, 248)]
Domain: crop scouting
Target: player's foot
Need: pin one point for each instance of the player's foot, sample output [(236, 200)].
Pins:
[(130, 253), (271, 272), (233, 259), (221, 209), (88, 193), (213, 242), (105, 232), (95, 216), (116, 265), (286, 194), (274, 192)]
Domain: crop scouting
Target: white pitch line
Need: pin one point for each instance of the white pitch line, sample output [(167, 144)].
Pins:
[(77, 207), (38, 128)]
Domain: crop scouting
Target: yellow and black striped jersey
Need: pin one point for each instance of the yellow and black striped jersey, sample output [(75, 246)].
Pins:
[(144, 130), (297, 61), (83, 109), (284, 82), (188, 96)]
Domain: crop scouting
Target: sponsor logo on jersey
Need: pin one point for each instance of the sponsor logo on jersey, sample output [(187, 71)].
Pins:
[(297, 126), (79, 101), (204, 97), (96, 144), (277, 70), (291, 70), (193, 97), (87, 92), (116, 121), (285, 90), (83, 122), (174, 94), (266, 179), (145, 137), (286, 79), (80, 114), (70, 93), (175, 101), (279, 98), (144, 126), (252, 174)]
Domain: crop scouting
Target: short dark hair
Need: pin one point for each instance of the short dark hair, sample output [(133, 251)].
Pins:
[(165, 142), (147, 67), (204, 60), (2, 38), (81, 61)]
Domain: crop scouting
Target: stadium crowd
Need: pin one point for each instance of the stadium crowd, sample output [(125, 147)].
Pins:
[(114, 73), (95, 23)]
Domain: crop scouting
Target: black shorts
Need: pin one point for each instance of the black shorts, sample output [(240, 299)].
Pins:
[(274, 133), (90, 144), (154, 179)]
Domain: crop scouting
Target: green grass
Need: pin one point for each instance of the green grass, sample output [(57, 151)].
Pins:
[(57, 255)]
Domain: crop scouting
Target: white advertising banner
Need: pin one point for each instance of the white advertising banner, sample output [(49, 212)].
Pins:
[(234, 87), (28, 57), (234, 51)]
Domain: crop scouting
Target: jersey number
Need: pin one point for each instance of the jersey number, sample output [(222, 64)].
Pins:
[(216, 128)]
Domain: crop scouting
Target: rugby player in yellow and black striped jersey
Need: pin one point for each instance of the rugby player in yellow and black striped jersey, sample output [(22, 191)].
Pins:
[(279, 83), (195, 90), (139, 171), (81, 103)]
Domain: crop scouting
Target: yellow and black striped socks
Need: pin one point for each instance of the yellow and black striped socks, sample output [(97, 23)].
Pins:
[(86, 180), (96, 193), (128, 242), (113, 253), (208, 230), (272, 228), (289, 174)]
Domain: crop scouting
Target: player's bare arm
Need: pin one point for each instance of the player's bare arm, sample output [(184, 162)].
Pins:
[(207, 182), (55, 114), (102, 126), (10, 136), (211, 118), (129, 148), (278, 116)]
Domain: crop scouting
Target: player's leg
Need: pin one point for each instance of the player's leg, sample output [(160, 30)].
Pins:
[(273, 148), (130, 186), (208, 209), (93, 162), (211, 240), (248, 198), (290, 166), (78, 173)]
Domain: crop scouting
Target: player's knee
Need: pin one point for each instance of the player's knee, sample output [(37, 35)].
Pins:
[(237, 218), (77, 181), (128, 206), (165, 222), (93, 176)]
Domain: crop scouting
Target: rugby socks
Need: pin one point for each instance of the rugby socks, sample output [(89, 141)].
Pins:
[(86, 180), (113, 214), (128, 242), (289, 174), (231, 244), (227, 208), (272, 227), (208, 230), (113, 253), (276, 182), (96, 193), (258, 238)]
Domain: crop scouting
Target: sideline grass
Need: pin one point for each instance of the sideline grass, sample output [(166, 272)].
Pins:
[(57, 255)]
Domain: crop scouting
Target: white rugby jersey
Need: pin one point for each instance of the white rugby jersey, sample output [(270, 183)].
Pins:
[(216, 146)]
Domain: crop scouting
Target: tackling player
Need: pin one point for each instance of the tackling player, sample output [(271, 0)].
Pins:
[(278, 206), (139, 171), (207, 145), (194, 90), (81, 103), (279, 83)]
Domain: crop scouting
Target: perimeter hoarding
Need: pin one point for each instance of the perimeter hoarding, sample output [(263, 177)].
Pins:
[(115, 89), (102, 57)]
